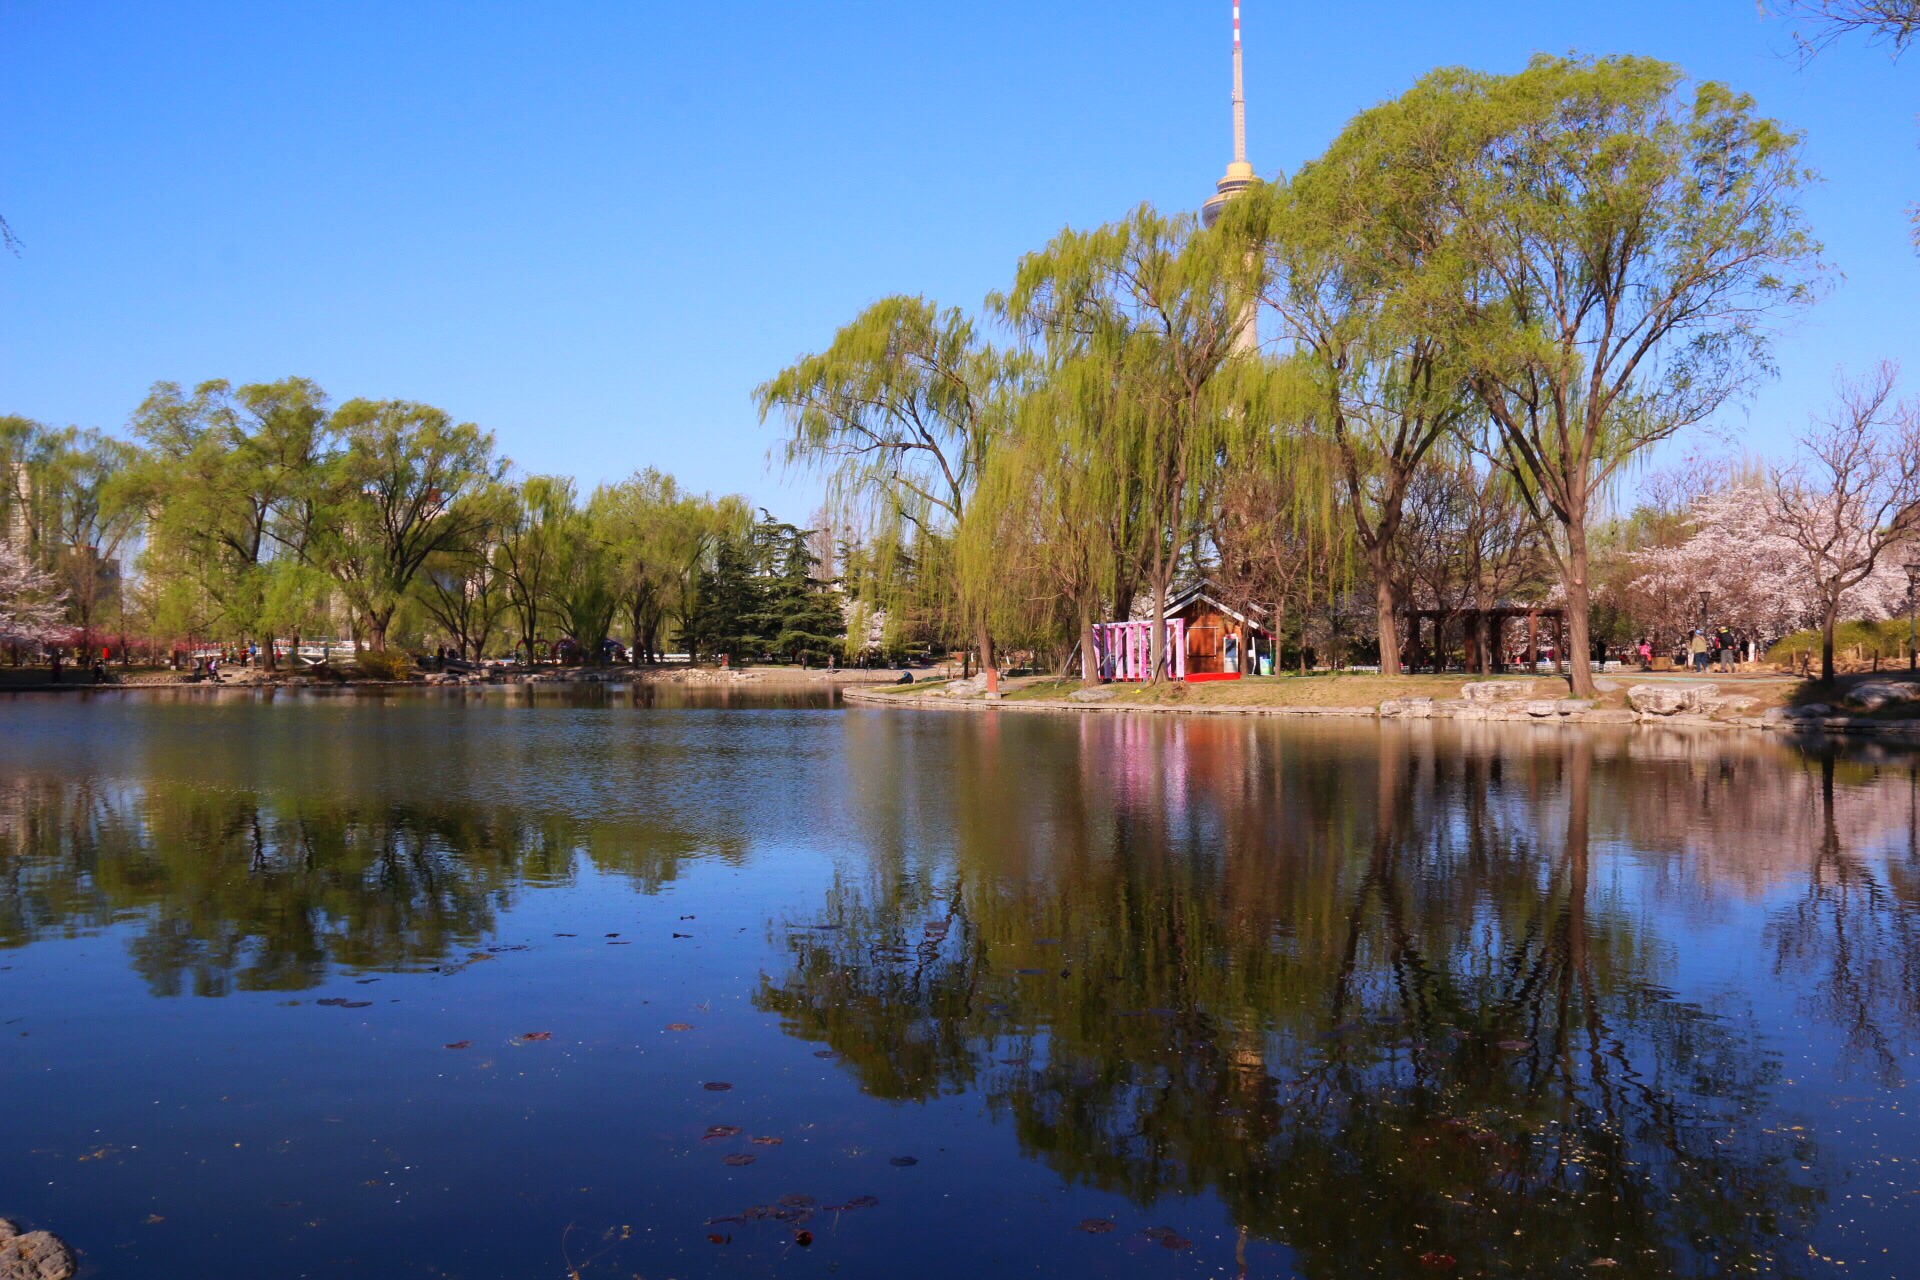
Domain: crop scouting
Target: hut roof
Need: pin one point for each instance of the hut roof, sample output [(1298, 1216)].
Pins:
[(1206, 592)]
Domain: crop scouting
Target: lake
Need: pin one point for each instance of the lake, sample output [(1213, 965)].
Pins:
[(658, 983)]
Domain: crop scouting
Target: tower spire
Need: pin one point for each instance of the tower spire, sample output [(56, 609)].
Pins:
[(1239, 172), (1239, 97)]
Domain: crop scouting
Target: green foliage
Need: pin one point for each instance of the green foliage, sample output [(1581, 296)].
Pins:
[(758, 597), (1885, 640), (394, 499), (900, 414), (384, 664)]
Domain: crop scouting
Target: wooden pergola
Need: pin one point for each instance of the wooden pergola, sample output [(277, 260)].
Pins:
[(1492, 623)]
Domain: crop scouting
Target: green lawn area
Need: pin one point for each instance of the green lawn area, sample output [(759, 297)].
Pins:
[(1326, 690)]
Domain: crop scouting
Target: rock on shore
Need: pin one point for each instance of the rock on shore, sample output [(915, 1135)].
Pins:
[(32, 1255)]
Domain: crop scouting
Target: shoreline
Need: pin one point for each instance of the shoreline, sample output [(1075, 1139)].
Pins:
[(1519, 711), (698, 677)]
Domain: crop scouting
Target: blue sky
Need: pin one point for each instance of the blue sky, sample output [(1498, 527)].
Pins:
[(593, 228)]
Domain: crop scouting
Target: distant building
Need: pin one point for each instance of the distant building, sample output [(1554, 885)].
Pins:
[(18, 529)]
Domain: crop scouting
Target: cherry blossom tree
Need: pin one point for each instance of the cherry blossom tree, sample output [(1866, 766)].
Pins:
[(1853, 494), (1758, 578), (32, 606)]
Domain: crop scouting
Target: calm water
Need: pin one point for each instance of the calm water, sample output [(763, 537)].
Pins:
[(499, 985)]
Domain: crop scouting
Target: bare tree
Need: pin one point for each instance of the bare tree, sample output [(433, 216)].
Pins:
[(1892, 23), (1854, 493)]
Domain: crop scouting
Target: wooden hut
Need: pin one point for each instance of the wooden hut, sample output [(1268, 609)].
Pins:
[(1215, 629)]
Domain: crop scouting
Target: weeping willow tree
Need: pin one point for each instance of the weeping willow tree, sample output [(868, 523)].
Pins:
[(1039, 544), (1358, 265), (1279, 538), (1152, 309), (899, 413)]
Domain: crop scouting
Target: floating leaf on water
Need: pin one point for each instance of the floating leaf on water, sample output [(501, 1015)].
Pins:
[(738, 1158), (533, 1036), (683, 935), (1096, 1226), (716, 1086), (362, 982), (1437, 1261), (1029, 973), (1015, 1062), (717, 1238), (460, 1044), (861, 1202), (1515, 1046), (619, 944), (335, 1001), (679, 1026), (798, 1201), (721, 1131), (803, 1238), (566, 935), (1167, 1238), (825, 1053), (1050, 942), (1603, 1262), (903, 1162), (766, 1141), (686, 917), (610, 935), (355, 1004)]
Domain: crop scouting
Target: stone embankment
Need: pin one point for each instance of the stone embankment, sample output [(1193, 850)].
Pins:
[(1491, 700)]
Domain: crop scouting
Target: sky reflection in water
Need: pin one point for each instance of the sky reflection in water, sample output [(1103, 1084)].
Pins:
[(1029, 994)]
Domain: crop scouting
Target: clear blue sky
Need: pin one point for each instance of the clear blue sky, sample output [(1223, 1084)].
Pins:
[(593, 228)]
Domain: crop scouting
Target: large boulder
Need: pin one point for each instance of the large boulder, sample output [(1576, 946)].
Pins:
[(1407, 708), (971, 687), (32, 1255), (1093, 693), (1495, 690), (1876, 694), (1670, 699)]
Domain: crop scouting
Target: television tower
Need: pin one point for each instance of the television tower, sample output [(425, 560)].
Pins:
[(1239, 172), (1246, 337)]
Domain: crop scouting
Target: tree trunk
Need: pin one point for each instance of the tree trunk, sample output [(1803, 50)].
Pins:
[(1383, 605), (272, 665), (984, 639), (1089, 663), (1574, 581), (1829, 619)]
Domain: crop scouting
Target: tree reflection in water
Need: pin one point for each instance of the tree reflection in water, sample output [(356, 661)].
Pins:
[(241, 890), (1430, 1033)]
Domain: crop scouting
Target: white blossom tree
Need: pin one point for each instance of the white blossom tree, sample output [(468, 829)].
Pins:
[(1853, 495), (32, 606), (1757, 577)]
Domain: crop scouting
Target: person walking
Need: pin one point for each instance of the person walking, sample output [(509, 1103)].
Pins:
[(1697, 649), (1646, 654), (1723, 641)]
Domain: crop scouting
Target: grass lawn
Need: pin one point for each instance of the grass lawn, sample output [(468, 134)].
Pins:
[(1328, 690)]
